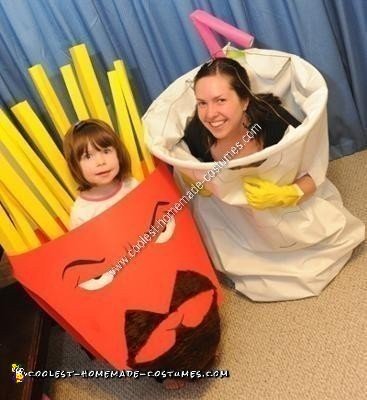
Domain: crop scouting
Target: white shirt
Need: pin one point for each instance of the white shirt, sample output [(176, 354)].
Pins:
[(85, 209)]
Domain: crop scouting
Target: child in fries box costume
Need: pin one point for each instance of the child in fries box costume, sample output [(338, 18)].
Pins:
[(146, 267), (123, 283), (279, 253)]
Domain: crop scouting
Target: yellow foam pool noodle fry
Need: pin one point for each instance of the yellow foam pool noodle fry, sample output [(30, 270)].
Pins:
[(50, 100), (37, 211), (22, 224), (89, 83), (16, 145), (40, 137), (33, 175), (124, 125), (76, 96), (133, 111), (10, 240)]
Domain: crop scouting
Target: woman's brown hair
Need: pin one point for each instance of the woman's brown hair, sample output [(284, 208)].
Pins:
[(100, 135)]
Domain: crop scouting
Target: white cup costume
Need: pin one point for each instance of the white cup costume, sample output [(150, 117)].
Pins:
[(278, 253)]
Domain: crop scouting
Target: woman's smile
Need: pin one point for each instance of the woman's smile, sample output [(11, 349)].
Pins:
[(217, 124)]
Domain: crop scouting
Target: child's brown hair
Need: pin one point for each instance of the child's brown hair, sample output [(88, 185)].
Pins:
[(100, 135)]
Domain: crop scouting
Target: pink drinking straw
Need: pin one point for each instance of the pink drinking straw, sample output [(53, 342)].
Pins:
[(205, 23)]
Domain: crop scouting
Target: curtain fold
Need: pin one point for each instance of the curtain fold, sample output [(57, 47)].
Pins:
[(158, 43)]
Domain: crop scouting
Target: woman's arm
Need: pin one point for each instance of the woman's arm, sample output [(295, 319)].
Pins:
[(307, 185)]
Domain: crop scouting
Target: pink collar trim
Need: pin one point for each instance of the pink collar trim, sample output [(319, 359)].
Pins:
[(84, 197)]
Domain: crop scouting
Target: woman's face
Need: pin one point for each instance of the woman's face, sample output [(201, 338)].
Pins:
[(219, 107)]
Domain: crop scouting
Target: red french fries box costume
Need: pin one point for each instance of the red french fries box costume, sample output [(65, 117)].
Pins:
[(71, 278)]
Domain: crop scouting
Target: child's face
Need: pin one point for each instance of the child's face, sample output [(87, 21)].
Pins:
[(99, 166)]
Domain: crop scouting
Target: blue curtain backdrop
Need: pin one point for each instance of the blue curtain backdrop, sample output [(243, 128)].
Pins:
[(158, 42)]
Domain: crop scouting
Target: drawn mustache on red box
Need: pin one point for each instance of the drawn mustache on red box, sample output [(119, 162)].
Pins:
[(71, 278)]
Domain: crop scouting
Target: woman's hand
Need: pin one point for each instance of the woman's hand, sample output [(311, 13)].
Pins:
[(262, 194)]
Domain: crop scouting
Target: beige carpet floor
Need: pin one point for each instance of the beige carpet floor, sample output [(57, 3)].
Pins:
[(307, 349)]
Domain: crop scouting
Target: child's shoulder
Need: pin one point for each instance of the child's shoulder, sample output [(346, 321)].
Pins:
[(131, 183), (80, 212)]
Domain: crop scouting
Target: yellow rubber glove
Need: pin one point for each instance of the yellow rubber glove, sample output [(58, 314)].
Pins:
[(263, 194)]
